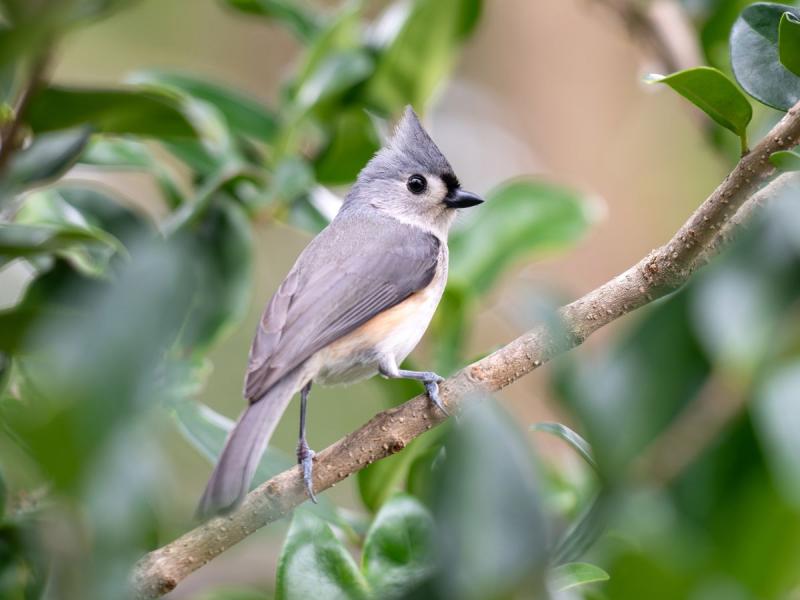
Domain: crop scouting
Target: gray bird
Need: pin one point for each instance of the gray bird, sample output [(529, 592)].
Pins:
[(356, 303)]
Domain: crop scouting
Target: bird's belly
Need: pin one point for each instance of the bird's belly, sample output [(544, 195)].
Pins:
[(395, 333)]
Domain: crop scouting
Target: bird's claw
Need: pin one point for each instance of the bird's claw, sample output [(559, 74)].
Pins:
[(432, 388), (305, 457)]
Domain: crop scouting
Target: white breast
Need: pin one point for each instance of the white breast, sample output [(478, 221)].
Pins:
[(393, 333)]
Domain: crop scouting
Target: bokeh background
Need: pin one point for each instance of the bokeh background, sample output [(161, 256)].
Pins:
[(548, 88)]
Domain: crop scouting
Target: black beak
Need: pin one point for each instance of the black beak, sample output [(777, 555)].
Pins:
[(462, 199)]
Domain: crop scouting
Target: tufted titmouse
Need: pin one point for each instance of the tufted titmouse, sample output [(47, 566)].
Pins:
[(356, 302)]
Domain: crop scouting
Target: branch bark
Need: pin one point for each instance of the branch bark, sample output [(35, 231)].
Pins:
[(659, 273), (661, 29)]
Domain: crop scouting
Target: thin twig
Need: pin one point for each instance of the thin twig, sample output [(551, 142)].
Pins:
[(9, 142), (661, 272)]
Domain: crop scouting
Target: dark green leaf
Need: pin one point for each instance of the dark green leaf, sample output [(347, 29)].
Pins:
[(353, 141), (222, 247), (710, 90), (5, 376), (624, 400), (293, 13), (580, 445), (380, 480), (789, 42), (315, 564), (420, 53), (3, 493), (73, 420), (119, 111), (47, 158), (103, 211), (786, 160), (572, 575), (244, 115), (398, 549), (518, 219), (491, 533), (754, 56)]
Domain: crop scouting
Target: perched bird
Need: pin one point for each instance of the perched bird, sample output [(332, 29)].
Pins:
[(355, 304)]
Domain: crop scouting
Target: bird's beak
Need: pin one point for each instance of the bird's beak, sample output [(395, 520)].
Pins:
[(463, 199)]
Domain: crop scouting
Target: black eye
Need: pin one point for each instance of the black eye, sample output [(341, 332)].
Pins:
[(417, 184)]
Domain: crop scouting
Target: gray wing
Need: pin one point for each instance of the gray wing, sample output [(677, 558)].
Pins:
[(352, 271)]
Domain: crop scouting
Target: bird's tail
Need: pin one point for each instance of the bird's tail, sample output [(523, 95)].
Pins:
[(244, 447)]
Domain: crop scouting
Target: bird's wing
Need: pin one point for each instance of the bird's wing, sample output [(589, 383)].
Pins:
[(346, 277)]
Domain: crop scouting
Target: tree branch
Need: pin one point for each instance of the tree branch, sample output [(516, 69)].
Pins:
[(661, 29), (662, 271)]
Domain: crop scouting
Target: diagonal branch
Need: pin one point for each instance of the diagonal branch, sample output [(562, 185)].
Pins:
[(661, 29), (659, 273)]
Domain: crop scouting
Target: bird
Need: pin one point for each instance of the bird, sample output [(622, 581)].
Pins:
[(355, 304)]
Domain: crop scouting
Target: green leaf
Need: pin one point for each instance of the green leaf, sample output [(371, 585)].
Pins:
[(206, 430), (3, 493), (353, 141), (106, 212), (315, 564), (121, 153), (519, 219), (222, 245), (337, 73), (572, 575), (48, 157), (450, 328), (49, 209), (343, 33), (32, 240), (710, 90), (293, 13), (491, 532), (380, 480), (754, 56), (244, 115), (398, 550), (786, 160), (789, 42), (580, 445), (776, 418), (119, 111), (292, 179), (416, 56)]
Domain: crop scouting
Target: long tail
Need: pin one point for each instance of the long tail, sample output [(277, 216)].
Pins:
[(244, 447)]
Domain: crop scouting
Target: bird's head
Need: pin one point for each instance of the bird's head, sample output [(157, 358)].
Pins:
[(411, 180)]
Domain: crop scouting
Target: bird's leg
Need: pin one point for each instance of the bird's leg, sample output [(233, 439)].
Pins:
[(430, 379), (305, 455)]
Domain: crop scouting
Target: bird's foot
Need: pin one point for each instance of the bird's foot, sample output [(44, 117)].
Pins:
[(432, 388), (305, 458)]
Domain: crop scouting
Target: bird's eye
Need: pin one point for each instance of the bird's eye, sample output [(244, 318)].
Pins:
[(417, 184)]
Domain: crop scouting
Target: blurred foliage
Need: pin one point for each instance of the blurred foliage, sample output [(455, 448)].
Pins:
[(121, 310)]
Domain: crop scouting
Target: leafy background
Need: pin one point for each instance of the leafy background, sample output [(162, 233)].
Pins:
[(205, 142)]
